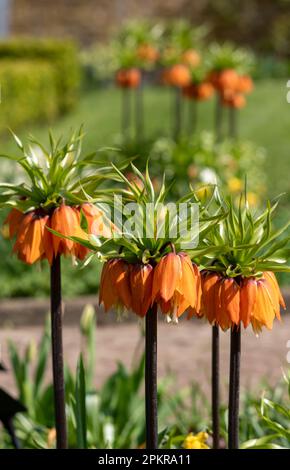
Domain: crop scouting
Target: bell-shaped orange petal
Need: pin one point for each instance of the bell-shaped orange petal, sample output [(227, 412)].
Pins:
[(196, 310), (13, 220), (167, 274), (65, 221), (231, 300), (222, 316), (248, 294), (120, 278), (187, 282), (263, 312), (210, 283), (108, 293), (141, 280), (271, 278), (29, 244)]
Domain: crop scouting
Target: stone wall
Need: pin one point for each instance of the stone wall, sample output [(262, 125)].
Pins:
[(264, 24), (89, 20)]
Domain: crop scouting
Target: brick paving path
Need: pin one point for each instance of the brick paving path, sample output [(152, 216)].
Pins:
[(183, 349)]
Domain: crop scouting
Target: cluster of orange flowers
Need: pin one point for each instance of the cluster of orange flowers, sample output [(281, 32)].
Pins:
[(176, 286), (228, 302), (34, 242), (131, 77), (179, 75), (128, 78), (232, 87)]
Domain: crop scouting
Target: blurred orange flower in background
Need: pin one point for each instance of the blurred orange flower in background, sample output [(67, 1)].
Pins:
[(128, 78)]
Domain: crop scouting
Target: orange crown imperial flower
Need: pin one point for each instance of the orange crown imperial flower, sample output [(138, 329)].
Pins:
[(115, 285), (128, 78), (148, 53), (35, 242), (191, 57), (200, 92), (126, 286), (233, 99), (176, 285), (239, 285), (139, 272), (227, 302), (178, 75), (51, 199), (245, 84)]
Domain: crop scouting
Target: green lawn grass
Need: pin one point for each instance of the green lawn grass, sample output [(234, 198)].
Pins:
[(266, 121)]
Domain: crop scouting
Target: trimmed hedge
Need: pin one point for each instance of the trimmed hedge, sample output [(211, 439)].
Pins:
[(62, 55), (28, 92)]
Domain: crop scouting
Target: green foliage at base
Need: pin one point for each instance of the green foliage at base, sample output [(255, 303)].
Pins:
[(112, 416)]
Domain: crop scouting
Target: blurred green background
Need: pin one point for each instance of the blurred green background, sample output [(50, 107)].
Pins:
[(67, 80)]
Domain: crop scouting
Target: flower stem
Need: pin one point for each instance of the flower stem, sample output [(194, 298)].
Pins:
[(125, 113), (218, 118), (192, 116), (139, 113), (177, 113), (215, 372), (234, 395), (57, 353), (151, 378), (232, 122)]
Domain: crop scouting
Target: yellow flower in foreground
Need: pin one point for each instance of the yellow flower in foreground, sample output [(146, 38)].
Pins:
[(196, 441), (235, 185), (51, 437), (252, 199)]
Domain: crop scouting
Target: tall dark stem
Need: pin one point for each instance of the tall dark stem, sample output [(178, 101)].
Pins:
[(57, 353), (151, 379), (192, 116), (218, 118), (232, 122), (139, 113), (177, 113), (125, 112), (234, 395), (215, 372)]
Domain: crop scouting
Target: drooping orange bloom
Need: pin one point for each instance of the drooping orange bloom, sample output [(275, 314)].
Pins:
[(178, 75), (200, 92), (34, 242), (13, 220), (227, 302), (191, 57), (128, 78), (245, 84), (115, 285), (66, 221), (32, 236), (96, 221), (227, 79), (176, 285), (141, 281), (95, 225), (233, 100), (147, 53)]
